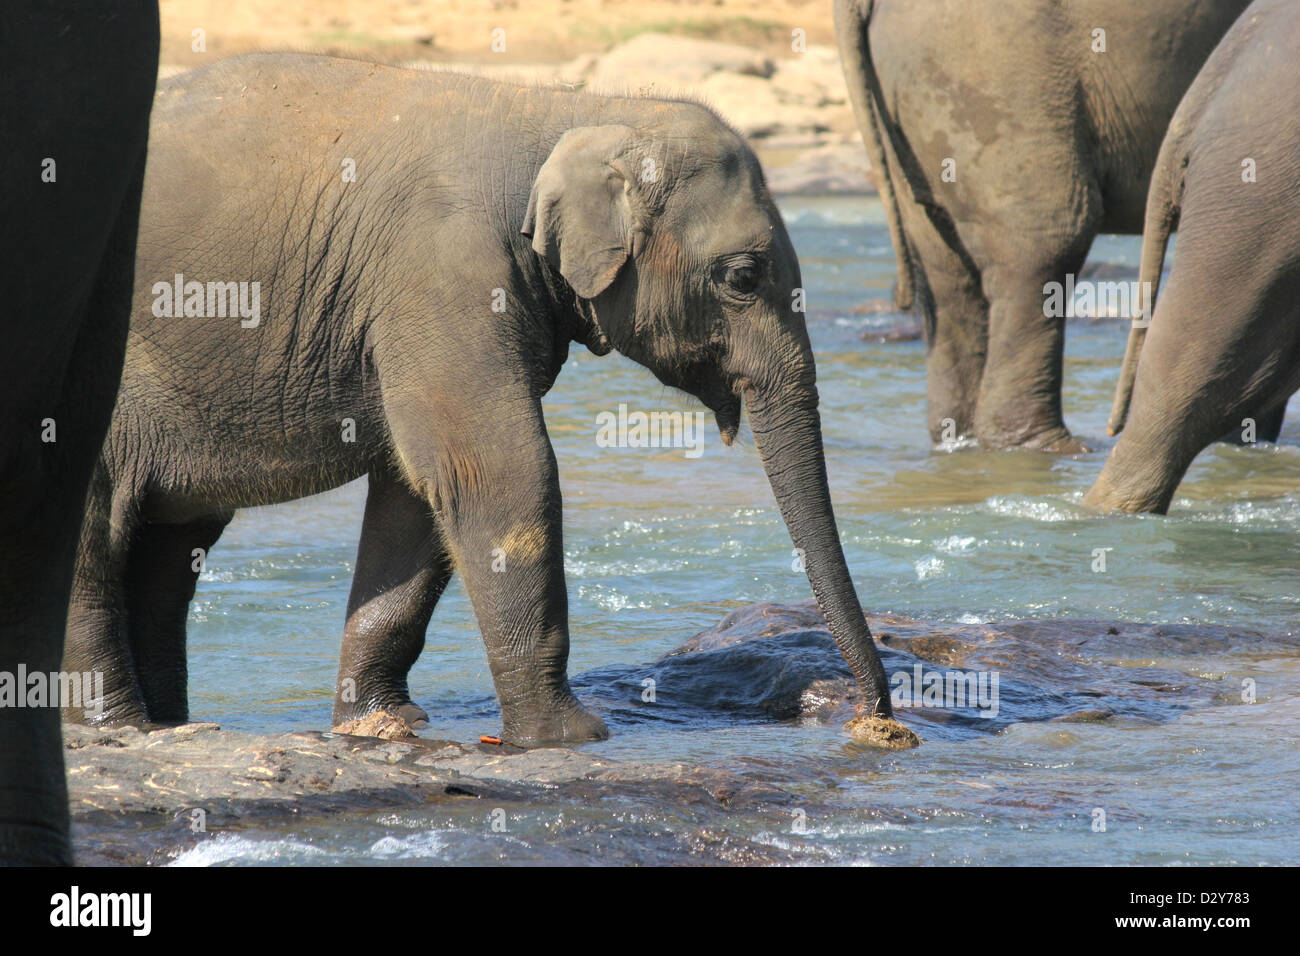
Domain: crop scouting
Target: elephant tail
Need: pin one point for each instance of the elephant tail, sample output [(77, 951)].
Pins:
[(852, 28), (1164, 202)]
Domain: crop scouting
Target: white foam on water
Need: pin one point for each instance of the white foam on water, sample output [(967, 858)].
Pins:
[(827, 215), (425, 845), (960, 444), (930, 566), (1035, 509), (955, 544), (577, 568), (231, 847), (608, 599)]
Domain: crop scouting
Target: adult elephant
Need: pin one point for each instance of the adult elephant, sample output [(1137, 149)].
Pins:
[(1006, 136), (1225, 336), (418, 251), (77, 85)]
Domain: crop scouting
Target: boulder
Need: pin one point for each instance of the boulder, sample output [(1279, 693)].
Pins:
[(661, 63), (751, 105), (812, 78)]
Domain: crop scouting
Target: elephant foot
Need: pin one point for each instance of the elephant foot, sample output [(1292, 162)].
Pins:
[(108, 715), (1063, 444), (569, 724), (414, 715), (1102, 496), (1056, 440)]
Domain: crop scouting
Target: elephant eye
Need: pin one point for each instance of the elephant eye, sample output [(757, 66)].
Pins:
[(742, 279)]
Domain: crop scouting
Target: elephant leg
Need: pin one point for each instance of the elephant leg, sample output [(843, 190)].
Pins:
[(1020, 394), (1197, 377), (490, 474), (402, 569), (98, 640), (77, 87), (162, 571), (956, 323), (36, 580), (36, 576)]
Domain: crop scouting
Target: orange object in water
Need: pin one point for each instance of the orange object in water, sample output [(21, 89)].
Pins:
[(486, 739)]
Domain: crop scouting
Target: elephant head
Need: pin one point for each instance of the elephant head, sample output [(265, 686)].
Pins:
[(680, 260)]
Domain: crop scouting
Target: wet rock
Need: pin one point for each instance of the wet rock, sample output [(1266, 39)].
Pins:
[(1094, 716), (381, 724), (770, 661), (708, 785), (830, 701), (135, 795), (754, 621), (548, 765)]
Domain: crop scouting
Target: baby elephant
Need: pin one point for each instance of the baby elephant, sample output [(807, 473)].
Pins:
[(347, 269), (1225, 340)]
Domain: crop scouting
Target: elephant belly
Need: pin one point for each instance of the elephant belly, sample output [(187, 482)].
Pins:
[(195, 478)]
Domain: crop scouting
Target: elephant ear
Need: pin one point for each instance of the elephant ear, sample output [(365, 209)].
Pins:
[(582, 214)]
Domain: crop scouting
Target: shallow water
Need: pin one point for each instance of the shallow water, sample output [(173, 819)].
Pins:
[(660, 546)]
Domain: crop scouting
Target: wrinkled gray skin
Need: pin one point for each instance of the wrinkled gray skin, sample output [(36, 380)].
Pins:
[(640, 225), (1225, 335), (76, 87), (1052, 144)]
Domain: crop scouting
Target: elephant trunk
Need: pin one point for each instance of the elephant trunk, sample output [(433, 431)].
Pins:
[(787, 429)]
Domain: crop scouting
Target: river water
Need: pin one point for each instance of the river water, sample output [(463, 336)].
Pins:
[(1197, 762)]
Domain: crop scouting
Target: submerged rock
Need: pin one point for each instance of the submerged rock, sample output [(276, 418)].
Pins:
[(948, 681)]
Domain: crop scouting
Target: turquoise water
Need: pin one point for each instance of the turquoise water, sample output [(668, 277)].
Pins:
[(660, 546)]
